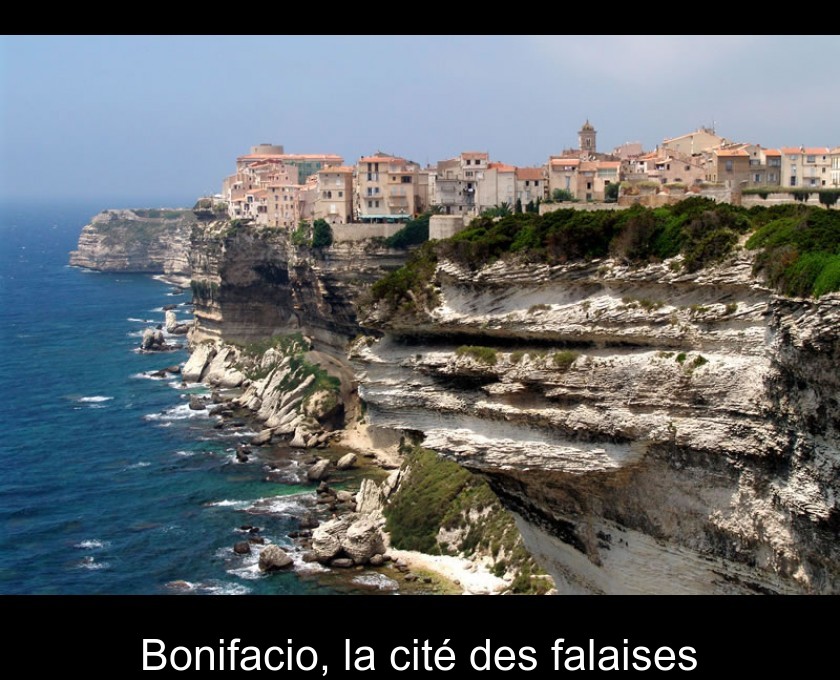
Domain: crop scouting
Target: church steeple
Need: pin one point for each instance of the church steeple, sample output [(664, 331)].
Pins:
[(586, 138)]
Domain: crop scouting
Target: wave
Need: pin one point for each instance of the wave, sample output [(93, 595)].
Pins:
[(180, 412), (226, 503), (185, 454), (134, 319), (146, 376), (90, 562), (134, 466), (91, 544), (224, 589), (94, 399)]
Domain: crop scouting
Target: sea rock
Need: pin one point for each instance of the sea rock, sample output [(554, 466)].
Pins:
[(242, 547), (299, 440), (346, 462), (152, 340), (241, 456), (196, 365), (342, 563), (273, 557), (326, 541), (391, 483), (319, 471), (175, 370), (363, 540), (172, 326), (344, 496), (377, 560), (221, 371), (196, 403), (369, 500), (262, 437)]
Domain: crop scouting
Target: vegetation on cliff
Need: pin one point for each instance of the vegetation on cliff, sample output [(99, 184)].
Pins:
[(441, 508), (799, 246)]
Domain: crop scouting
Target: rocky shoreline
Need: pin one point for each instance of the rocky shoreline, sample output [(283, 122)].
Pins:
[(341, 538)]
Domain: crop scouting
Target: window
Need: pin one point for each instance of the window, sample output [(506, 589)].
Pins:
[(793, 180), (757, 178), (536, 182), (728, 165), (406, 179), (588, 186), (377, 203), (341, 194), (687, 168), (526, 183), (814, 182), (810, 159), (794, 158), (469, 173), (370, 204)]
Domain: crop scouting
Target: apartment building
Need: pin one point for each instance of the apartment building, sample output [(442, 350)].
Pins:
[(807, 168), (385, 188), (334, 194)]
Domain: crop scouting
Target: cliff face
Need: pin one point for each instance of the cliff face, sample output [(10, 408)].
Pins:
[(143, 241), (651, 431), (249, 284)]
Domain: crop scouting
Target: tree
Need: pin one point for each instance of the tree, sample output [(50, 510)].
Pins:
[(562, 195), (322, 236), (518, 205), (611, 193)]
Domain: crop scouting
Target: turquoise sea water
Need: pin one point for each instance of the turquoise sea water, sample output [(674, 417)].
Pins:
[(108, 483)]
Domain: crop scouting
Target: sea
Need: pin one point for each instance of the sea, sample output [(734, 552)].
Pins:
[(109, 483)]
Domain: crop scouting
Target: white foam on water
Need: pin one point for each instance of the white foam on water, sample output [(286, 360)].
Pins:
[(136, 320), (226, 503), (146, 376), (376, 581), (180, 412), (278, 505), (225, 589), (185, 454), (91, 544), (134, 466), (90, 562), (94, 399)]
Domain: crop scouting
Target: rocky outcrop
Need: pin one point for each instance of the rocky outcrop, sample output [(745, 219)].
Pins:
[(352, 536), (144, 241), (274, 558), (251, 283), (652, 431)]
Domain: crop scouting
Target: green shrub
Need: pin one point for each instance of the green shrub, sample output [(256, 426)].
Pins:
[(322, 235), (414, 232), (680, 358), (483, 355), (564, 359)]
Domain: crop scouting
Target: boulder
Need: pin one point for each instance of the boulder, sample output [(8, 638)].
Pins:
[(377, 560), (175, 370), (363, 540), (391, 483), (241, 456), (263, 437), (172, 325), (242, 547), (152, 340), (346, 462), (196, 365), (326, 543), (344, 496), (273, 557), (196, 403), (342, 563), (319, 471), (299, 440)]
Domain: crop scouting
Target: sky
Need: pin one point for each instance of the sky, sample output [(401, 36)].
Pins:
[(162, 118)]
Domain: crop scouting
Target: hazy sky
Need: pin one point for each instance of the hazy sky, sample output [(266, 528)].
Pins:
[(163, 118)]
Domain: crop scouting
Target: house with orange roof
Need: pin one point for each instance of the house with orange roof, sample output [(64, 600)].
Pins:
[(563, 175), (531, 185), (385, 188), (702, 140), (495, 185), (806, 167)]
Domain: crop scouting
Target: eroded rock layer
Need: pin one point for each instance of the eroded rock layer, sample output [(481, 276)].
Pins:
[(652, 431)]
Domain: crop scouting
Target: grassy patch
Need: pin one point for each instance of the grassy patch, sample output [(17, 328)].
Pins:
[(483, 355), (564, 359)]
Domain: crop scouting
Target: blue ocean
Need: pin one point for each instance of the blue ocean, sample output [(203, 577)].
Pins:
[(108, 482)]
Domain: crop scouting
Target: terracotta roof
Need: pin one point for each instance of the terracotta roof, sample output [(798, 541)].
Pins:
[(835, 150), (729, 153), (565, 161), (337, 168), (501, 167), (808, 151), (312, 157), (529, 173), (381, 159), (608, 164), (772, 152), (475, 154)]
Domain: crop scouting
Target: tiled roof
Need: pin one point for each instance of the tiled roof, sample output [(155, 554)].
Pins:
[(565, 161), (337, 168), (772, 152), (381, 159), (729, 153), (529, 173), (501, 167)]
